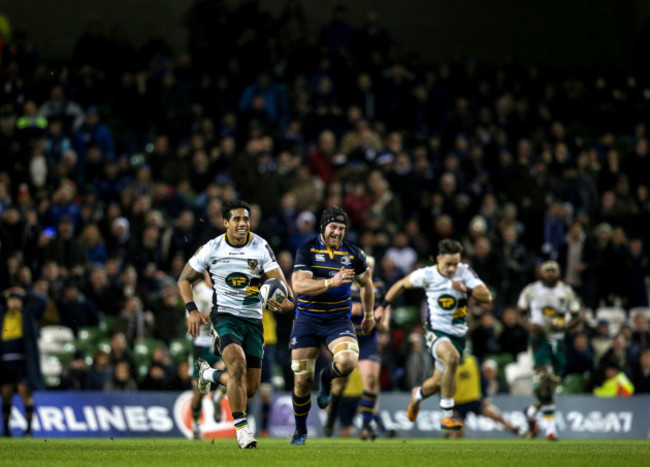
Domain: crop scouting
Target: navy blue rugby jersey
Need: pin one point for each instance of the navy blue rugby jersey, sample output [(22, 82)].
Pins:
[(315, 257), (380, 290)]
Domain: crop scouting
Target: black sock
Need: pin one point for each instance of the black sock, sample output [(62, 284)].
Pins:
[(217, 376), (29, 415), (334, 407), (301, 406), (328, 374), (266, 412), (6, 414)]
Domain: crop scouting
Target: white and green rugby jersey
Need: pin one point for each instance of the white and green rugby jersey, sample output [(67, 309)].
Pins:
[(447, 307), (549, 305), (236, 273)]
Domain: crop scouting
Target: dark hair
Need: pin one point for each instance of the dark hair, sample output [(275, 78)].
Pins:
[(333, 214), (449, 247), (229, 206)]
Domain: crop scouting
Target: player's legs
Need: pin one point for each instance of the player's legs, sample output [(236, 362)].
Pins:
[(345, 356), (7, 391), (429, 387), (266, 388), (369, 371), (492, 412), (544, 383), (303, 362), (338, 387), (28, 402), (448, 356)]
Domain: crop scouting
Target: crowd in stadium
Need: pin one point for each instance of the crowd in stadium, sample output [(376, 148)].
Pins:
[(114, 165)]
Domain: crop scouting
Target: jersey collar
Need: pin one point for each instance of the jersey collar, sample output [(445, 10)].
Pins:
[(250, 237)]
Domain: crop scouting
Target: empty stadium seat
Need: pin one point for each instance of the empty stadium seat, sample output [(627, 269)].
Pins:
[(143, 349), (519, 379), (53, 338), (180, 349), (614, 315), (90, 334), (574, 384)]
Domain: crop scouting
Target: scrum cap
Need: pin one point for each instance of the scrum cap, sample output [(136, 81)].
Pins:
[(333, 214)]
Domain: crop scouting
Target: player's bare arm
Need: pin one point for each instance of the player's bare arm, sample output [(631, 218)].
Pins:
[(304, 283), (287, 306), (480, 293), (188, 276), (367, 301), (394, 292)]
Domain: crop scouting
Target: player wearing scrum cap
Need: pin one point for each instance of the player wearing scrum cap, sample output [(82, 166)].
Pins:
[(552, 307), (322, 277), (238, 262)]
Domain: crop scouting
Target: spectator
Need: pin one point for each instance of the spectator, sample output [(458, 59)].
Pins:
[(75, 309), (513, 338), (134, 322), (121, 379), (641, 373), (580, 356), (75, 376)]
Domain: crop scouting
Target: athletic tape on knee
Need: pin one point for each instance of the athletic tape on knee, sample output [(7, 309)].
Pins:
[(304, 366), (344, 347)]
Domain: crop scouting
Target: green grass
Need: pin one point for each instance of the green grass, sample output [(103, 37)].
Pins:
[(157, 452)]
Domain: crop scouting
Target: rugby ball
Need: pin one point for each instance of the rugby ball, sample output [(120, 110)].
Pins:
[(272, 289)]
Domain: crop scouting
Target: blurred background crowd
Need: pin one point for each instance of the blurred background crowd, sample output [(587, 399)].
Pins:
[(114, 165)]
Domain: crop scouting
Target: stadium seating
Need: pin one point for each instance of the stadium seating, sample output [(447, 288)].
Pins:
[(180, 350), (614, 315), (52, 368), (600, 345), (90, 334), (574, 384), (519, 375), (143, 350), (53, 338), (106, 324), (502, 360)]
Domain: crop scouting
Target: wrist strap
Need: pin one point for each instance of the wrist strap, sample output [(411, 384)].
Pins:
[(469, 292), (190, 307), (328, 284), (385, 303)]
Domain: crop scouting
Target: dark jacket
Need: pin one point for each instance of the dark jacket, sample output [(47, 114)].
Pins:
[(33, 309)]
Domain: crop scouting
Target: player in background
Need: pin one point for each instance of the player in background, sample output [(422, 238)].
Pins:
[(471, 396), (322, 276), (369, 365), (203, 349), (266, 386), (448, 285), (238, 262), (552, 307)]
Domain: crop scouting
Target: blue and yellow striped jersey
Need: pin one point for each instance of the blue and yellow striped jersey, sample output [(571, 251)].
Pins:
[(315, 257)]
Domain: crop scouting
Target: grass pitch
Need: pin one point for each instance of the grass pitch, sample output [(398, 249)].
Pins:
[(160, 452)]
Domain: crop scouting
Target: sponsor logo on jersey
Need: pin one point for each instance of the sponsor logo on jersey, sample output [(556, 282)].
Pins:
[(319, 257), (548, 311), (236, 253), (253, 264), (237, 280), (447, 302), (346, 260)]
